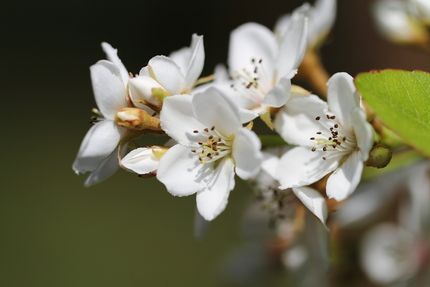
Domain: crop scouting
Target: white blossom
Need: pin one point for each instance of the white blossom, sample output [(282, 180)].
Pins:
[(213, 146), (332, 137), (262, 67), (98, 151), (176, 74)]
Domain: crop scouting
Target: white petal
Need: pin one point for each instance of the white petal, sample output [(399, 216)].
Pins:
[(190, 60), (246, 153), (181, 171), (300, 166), (212, 200), (279, 94), (108, 88), (252, 41), (270, 164), (293, 46), (168, 74), (177, 120), (363, 132), (323, 17), (141, 161), (196, 62), (248, 115), (112, 55), (98, 143), (345, 179), (296, 123), (214, 109), (106, 168), (342, 97), (141, 89), (314, 201)]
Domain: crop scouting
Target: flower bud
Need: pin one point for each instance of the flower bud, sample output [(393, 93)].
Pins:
[(379, 156), (137, 119)]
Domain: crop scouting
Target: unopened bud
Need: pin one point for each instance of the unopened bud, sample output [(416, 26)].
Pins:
[(379, 156), (137, 119)]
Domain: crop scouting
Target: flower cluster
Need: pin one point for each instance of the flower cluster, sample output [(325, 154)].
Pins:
[(208, 122)]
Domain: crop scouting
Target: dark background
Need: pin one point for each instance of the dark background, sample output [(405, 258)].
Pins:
[(124, 231)]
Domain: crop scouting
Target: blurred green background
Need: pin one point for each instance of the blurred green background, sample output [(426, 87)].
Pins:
[(124, 231)]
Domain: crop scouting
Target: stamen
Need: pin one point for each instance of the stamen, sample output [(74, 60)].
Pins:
[(195, 131), (318, 118), (206, 129)]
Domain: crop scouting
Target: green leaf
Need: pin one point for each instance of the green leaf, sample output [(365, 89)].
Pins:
[(401, 100)]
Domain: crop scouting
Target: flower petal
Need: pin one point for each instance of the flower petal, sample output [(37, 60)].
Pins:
[(342, 97), (296, 123), (252, 41), (300, 166), (112, 55), (177, 120), (190, 60), (167, 73), (107, 167), (141, 161), (270, 164), (363, 132), (279, 94), (212, 200), (182, 173), (213, 108), (293, 46), (246, 153), (345, 179), (108, 88), (141, 89), (314, 201), (98, 143)]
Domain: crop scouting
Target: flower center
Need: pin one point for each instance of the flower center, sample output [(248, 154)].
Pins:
[(255, 84), (214, 147), (333, 139)]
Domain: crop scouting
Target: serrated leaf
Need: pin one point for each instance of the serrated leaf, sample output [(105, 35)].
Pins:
[(401, 100)]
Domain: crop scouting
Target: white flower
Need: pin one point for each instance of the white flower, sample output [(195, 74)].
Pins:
[(213, 146), (98, 151), (262, 66), (176, 74), (321, 18), (394, 22), (268, 179), (333, 137)]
